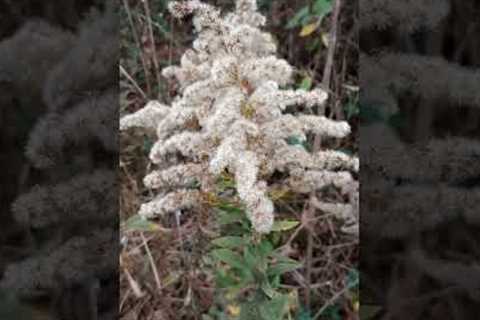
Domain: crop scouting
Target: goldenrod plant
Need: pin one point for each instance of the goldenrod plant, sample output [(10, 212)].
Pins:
[(233, 117)]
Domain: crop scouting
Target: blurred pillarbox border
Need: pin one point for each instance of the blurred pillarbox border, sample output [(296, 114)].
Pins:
[(420, 152), (58, 157)]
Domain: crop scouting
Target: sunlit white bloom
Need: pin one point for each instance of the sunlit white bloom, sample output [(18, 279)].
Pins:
[(226, 110), (288, 157), (225, 71), (310, 180), (178, 118), (180, 175), (178, 200), (187, 143), (256, 71), (324, 126), (147, 117), (334, 160), (245, 41)]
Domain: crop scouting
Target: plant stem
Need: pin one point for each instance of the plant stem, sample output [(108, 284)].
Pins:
[(309, 209), (138, 44), (134, 83), (152, 41)]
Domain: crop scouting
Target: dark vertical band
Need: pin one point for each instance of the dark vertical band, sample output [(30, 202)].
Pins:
[(59, 158), (420, 152)]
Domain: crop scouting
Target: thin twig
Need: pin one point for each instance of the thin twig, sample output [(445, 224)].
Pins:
[(152, 40), (171, 43), (309, 208), (137, 291), (152, 262), (329, 302), (124, 299), (170, 54), (309, 267), (136, 38), (135, 84), (327, 71), (161, 29)]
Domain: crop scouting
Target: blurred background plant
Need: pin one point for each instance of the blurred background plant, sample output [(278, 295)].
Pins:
[(308, 265)]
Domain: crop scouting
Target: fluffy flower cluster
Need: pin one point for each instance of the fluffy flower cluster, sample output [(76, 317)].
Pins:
[(230, 116)]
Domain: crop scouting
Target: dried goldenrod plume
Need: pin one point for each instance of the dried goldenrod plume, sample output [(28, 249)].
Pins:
[(230, 116)]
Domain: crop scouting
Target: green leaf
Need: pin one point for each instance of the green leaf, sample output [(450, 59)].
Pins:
[(224, 218), (225, 183), (275, 281), (225, 280), (284, 225), (276, 239), (231, 209), (283, 267), (306, 83), (352, 278), (250, 257), (138, 223), (268, 290), (313, 44), (246, 278), (294, 141), (351, 109), (265, 248), (147, 145), (275, 308), (195, 184), (322, 7), (346, 151), (296, 20), (229, 257), (249, 311), (229, 214), (229, 242)]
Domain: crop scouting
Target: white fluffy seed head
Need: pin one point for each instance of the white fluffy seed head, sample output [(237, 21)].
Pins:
[(147, 117), (230, 114)]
